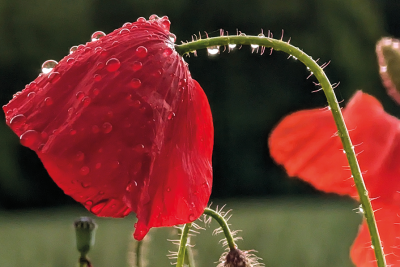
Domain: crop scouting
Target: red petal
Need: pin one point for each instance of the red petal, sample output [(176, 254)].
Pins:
[(388, 223), (121, 126), (306, 145)]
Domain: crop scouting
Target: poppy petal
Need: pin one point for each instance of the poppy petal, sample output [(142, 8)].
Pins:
[(120, 122), (388, 222), (305, 143)]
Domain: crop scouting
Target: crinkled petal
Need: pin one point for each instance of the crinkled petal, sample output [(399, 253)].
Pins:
[(121, 126)]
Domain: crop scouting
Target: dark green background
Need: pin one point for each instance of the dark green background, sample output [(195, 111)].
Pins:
[(248, 93)]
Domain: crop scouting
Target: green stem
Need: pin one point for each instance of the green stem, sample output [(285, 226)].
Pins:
[(333, 104), (182, 245), (189, 259), (138, 253), (224, 225)]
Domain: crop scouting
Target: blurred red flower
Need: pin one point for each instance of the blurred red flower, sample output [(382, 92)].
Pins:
[(307, 145), (121, 126)]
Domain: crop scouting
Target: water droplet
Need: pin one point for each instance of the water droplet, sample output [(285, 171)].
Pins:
[(124, 31), (79, 95), (96, 209), (107, 127), (70, 111), (137, 65), (213, 50), (30, 139), (97, 78), (192, 217), (70, 61), (254, 46), (84, 171), (48, 66), (127, 24), (383, 69), (112, 64), (100, 66), (171, 115), (31, 95), (54, 77), (89, 203), (95, 129), (261, 35), (135, 83), (166, 24), (73, 49), (167, 52), (172, 37), (141, 20), (115, 43), (17, 121), (242, 34), (98, 165), (232, 46), (154, 17), (141, 52), (97, 35), (86, 101), (48, 101)]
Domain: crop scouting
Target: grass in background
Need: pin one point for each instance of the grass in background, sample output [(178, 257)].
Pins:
[(288, 232)]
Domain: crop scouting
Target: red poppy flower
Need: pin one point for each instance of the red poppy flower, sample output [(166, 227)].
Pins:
[(121, 126), (306, 144)]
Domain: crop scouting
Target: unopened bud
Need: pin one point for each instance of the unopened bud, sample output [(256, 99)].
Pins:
[(85, 229)]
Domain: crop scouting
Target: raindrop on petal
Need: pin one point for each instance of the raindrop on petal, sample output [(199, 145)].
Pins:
[(141, 20), (48, 66), (124, 31), (137, 65), (172, 37), (97, 35), (154, 17), (135, 83), (107, 127), (73, 49), (97, 77), (17, 121), (112, 64), (48, 101), (84, 170), (141, 52), (29, 139)]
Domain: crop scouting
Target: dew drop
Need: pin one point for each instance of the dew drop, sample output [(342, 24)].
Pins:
[(17, 121), (254, 46), (96, 91), (232, 46), (261, 35), (89, 203), (141, 20), (79, 95), (127, 24), (124, 31), (29, 139), (100, 66), (383, 69), (137, 65), (86, 101), (70, 61), (31, 95), (135, 83), (95, 129), (97, 77), (166, 24), (112, 64), (154, 17), (242, 34), (48, 66), (73, 49), (107, 127), (141, 52), (172, 37), (84, 171), (167, 52), (213, 50), (98, 165), (192, 217), (48, 101), (54, 77), (97, 35)]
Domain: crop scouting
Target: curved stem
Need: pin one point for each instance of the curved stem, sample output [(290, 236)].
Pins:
[(182, 245), (224, 225), (139, 253), (334, 107)]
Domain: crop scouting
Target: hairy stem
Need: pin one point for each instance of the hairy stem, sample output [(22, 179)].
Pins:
[(334, 107), (224, 225), (182, 245)]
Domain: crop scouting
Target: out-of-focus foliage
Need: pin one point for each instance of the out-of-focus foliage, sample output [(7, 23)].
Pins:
[(248, 93)]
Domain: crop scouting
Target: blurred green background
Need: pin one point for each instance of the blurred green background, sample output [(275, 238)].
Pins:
[(248, 94)]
